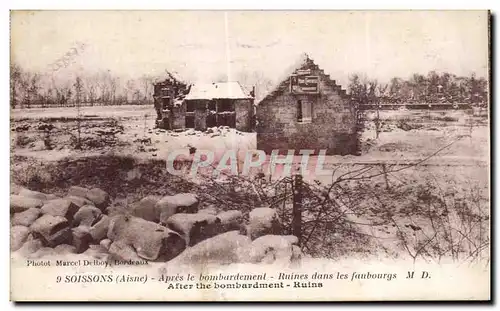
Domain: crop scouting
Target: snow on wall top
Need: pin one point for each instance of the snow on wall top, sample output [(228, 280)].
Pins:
[(228, 90)]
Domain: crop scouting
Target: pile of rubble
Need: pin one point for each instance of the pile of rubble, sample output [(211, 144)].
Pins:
[(159, 229), (214, 131)]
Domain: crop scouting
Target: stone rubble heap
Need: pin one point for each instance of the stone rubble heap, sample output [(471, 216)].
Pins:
[(169, 229)]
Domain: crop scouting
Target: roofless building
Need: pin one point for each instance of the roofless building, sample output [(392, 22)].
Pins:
[(204, 105)]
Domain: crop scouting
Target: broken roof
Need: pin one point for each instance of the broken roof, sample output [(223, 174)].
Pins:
[(220, 90), (175, 76), (170, 75)]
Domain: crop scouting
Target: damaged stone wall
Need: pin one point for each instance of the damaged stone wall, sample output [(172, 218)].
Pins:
[(244, 114), (333, 124), (178, 116), (168, 96), (200, 118), (241, 116)]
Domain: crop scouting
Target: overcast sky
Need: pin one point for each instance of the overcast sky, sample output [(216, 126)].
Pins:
[(199, 44)]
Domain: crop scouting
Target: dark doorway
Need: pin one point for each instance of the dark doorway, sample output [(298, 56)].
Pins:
[(225, 105), (226, 119), (190, 106), (212, 106), (211, 120), (189, 121)]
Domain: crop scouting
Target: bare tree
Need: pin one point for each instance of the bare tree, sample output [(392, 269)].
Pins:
[(15, 83), (91, 89), (78, 96), (113, 84), (433, 86), (103, 87), (130, 89), (373, 99), (146, 83), (395, 88), (33, 88)]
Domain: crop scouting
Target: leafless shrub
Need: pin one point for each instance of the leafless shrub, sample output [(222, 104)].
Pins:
[(433, 224), (22, 140), (445, 118), (406, 125), (340, 218), (31, 176), (326, 229)]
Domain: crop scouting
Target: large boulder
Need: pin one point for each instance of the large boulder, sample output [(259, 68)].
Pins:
[(106, 243), (117, 209), (42, 252), (99, 230), (64, 249), (87, 215), (150, 240), (263, 221), (296, 255), (230, 220), (97, 251), (63, 236), (15, 188), (52, 230), (99, 197), (30, 247), (194, 228), (60, 207), (276, 249), (26, 218), (78, 191), (224, 248), (33, 194), (51, 196), (179, 203), (209, 210), (20, 203), (120, 250), (79, 201), (81, 238), (146, 208), (18, 236)]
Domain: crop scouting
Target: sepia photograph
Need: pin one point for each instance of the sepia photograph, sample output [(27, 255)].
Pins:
[(250, 155)]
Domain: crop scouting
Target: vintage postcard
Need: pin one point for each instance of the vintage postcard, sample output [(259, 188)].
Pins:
[(250, 155)]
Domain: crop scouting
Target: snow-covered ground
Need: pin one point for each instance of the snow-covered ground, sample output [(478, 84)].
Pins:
[(447, 138)]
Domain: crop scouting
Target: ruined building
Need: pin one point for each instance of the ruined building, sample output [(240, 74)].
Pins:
[(307, 110), (200, 106), (168, 99), (219, 104)]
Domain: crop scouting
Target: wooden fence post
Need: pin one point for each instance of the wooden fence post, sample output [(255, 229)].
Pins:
[(297, 207), (377, 122)]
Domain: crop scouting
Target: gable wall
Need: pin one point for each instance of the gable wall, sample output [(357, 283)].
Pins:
[(333, 121)]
